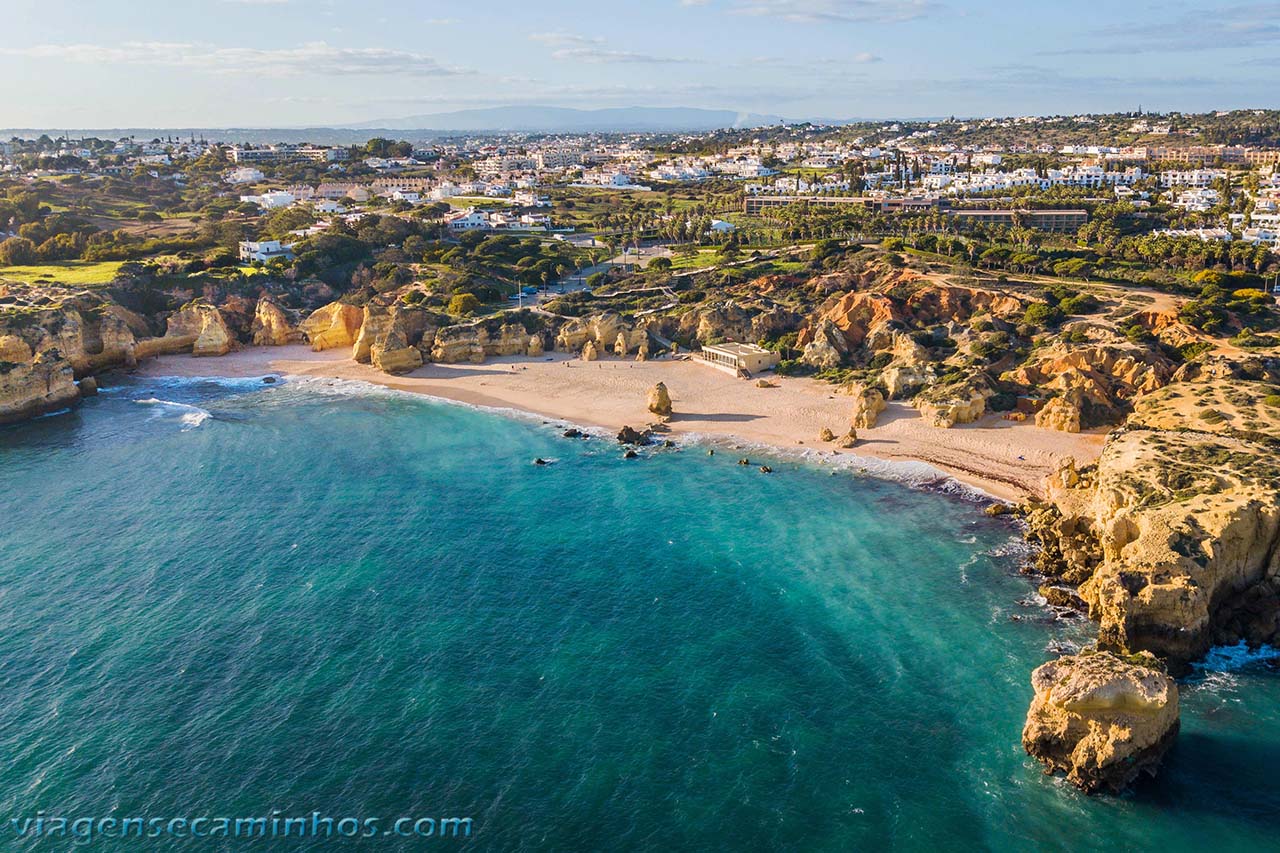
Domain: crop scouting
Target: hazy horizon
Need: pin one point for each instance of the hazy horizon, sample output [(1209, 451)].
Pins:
[(314, 63)]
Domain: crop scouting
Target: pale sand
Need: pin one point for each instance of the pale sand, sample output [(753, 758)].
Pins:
[(1005, 459)]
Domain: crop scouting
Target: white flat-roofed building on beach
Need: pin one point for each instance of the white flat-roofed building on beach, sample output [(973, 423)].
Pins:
[(739, 358)]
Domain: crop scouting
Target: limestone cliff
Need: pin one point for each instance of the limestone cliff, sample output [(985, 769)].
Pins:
[(32, 383), (868, 403), (483, 339), (1096, 383), (332, 326), (1174, 536), (1100, 719), (198, 327), (954, 403), (396, 338), (51, 335), (272, 326)]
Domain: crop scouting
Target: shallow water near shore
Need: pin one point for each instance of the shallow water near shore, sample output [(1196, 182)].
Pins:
[(224, 598)]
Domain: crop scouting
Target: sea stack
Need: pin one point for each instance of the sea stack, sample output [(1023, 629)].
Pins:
[(1101, 719), (660, 401)]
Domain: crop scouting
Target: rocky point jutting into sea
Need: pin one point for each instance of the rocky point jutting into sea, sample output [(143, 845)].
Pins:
[(1168, 542)]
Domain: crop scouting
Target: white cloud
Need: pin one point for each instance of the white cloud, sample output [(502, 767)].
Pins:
[(310, 58), (835, 11), (600, 56), (563, 39)]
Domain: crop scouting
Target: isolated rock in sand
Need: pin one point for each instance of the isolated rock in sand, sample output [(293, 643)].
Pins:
[(848, 440), (660, 400), (589, 352), (1101, 719), (868, 403), (826, 435)]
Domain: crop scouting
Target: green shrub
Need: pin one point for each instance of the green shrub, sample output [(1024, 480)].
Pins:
[(1040, 314)]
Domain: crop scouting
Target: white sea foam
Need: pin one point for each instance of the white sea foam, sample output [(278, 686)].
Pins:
[(1235, 658), (190, 416), (912, 473)]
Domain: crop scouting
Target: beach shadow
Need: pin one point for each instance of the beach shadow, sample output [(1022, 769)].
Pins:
[(721, 417), (895, 412), (446, 372)]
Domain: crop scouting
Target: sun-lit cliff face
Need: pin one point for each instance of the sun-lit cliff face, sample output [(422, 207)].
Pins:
[(1101, 719), (1173, 537)]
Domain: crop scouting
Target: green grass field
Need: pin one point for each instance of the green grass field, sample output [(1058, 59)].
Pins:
[(76, 273)]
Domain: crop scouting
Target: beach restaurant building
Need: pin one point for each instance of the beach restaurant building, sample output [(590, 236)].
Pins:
[(738, 358)]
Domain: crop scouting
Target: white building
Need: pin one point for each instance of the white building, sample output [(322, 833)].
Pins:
[(467, 220), (244, 175), (264, 251), (271, 200), (1191, 177), (529, 198)]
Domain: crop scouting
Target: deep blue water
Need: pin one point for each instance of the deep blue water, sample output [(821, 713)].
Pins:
[(306, 598)]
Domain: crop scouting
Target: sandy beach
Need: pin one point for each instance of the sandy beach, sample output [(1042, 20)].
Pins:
[(1005, 459)]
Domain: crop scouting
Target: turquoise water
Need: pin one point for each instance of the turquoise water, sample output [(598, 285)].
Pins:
[(306, 598)]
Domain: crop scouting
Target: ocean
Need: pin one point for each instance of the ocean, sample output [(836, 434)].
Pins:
[(320, 600)]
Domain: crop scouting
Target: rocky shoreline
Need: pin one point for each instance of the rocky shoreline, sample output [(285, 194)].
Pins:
[(1170, 541)]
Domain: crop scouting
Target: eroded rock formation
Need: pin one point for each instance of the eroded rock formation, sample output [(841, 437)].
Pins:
[(1101, 719), (659, 400), (332, 326), (272, 326)]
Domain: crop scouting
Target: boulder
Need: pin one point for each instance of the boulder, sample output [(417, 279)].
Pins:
[(628, 435), (848, 440), (589, 352), (659, 400), (826, 435), (1101, 719)]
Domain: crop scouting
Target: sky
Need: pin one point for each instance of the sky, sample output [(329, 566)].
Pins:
[(292, 63)]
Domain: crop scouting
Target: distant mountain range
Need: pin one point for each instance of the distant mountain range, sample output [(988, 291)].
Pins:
[(539, 119)]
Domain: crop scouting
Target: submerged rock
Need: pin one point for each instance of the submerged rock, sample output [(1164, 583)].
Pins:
[(1101, 719)]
